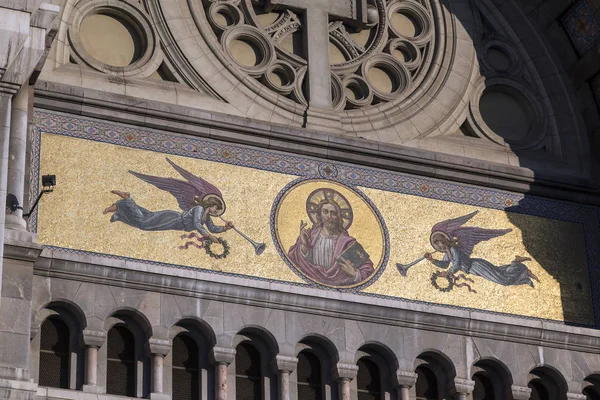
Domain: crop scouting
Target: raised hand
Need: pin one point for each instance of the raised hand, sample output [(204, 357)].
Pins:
[(228, 225), (304, 234)]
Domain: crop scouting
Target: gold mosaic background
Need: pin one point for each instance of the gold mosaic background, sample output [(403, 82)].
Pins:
[(87, 171)]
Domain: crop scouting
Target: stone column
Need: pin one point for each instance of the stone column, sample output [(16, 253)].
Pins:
[(17, 156), (159, 348), (464, 387), (221, 357), (92, 340), (576, 396), (5, 108), (284, 365), (404, 381), (344, 373), (520, 392)]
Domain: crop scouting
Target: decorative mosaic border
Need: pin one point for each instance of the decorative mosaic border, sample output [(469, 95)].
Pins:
[(579, 16), (308, 167)]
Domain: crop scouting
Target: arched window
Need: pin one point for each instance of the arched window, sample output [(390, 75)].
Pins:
[(538, 391), (54, 354), (309, 377), (426, 386), (368, 382), (484, 390), (591, 394), (247, 373), (120, 365), (186, 369)]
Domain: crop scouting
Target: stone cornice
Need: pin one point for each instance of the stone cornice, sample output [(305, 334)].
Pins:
[(347, 306), (560, 182)]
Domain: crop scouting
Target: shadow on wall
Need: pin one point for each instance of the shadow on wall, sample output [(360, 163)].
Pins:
[(530, 105)]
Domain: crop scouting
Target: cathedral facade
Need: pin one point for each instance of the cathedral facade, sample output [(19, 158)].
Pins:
[(298, 200)]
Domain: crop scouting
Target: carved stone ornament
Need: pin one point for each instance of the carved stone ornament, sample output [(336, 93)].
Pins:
[(377, 51)]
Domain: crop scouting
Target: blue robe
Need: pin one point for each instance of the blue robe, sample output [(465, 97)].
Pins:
[(133, 215), (515, 273)]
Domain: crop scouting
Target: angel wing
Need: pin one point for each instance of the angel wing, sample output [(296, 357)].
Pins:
[(202, 185), (450, 225), (186, 193), (469, 236)]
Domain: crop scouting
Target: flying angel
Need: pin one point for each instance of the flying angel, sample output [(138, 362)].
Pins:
[(198, 199), (457, 243)]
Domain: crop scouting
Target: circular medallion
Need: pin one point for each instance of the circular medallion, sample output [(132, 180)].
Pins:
[(329, 234)]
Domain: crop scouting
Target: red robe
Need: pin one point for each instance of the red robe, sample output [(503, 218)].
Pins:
[(334, 276)]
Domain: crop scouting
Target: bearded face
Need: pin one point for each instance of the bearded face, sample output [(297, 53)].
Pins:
[(330, 217)]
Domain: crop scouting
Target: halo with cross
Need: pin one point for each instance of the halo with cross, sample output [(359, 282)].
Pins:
[(317, 196)]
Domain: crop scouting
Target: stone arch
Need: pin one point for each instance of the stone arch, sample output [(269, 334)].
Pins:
[(54, 307), (385, 360), (497, 373), (253, 332), (265, 343), (141, 329), (328, 355), (205, 339), (128, 315), (591, 386), (318, 341), (193, 324), (74, 317), (550, 379), (441, 366)]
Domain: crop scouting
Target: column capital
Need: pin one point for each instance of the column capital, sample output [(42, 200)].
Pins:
[(464, 386), (93, 338), (520, 392), (222, 355), (159, 347), (345, 371), (285, 363), (405, 379)]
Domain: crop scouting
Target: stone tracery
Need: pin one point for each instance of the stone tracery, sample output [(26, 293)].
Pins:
[(376, 62)]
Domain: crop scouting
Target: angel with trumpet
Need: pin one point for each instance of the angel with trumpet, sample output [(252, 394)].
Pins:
[(199, 200), (457, 242)]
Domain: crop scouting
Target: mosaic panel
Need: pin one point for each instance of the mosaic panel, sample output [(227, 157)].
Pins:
[(235, 210)]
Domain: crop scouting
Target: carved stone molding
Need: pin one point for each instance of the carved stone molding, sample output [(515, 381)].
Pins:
[(285, 363), (345, 371), (222, 355), (520, 392), (159, 346), (405, 379), (94, 338)]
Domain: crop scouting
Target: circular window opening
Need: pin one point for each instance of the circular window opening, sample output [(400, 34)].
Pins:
[(382, 79), (506, 112), (246, 52), (405, 24), (224, 18), (280, 77), (498, 59), (113, 40)]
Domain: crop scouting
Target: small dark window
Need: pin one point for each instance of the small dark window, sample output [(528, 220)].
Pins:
[(247, 373), (120, 365), (484, 390), (186, 369), (368, 382), (309, 377), (426, 386), (538, 391), (54, 354)]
